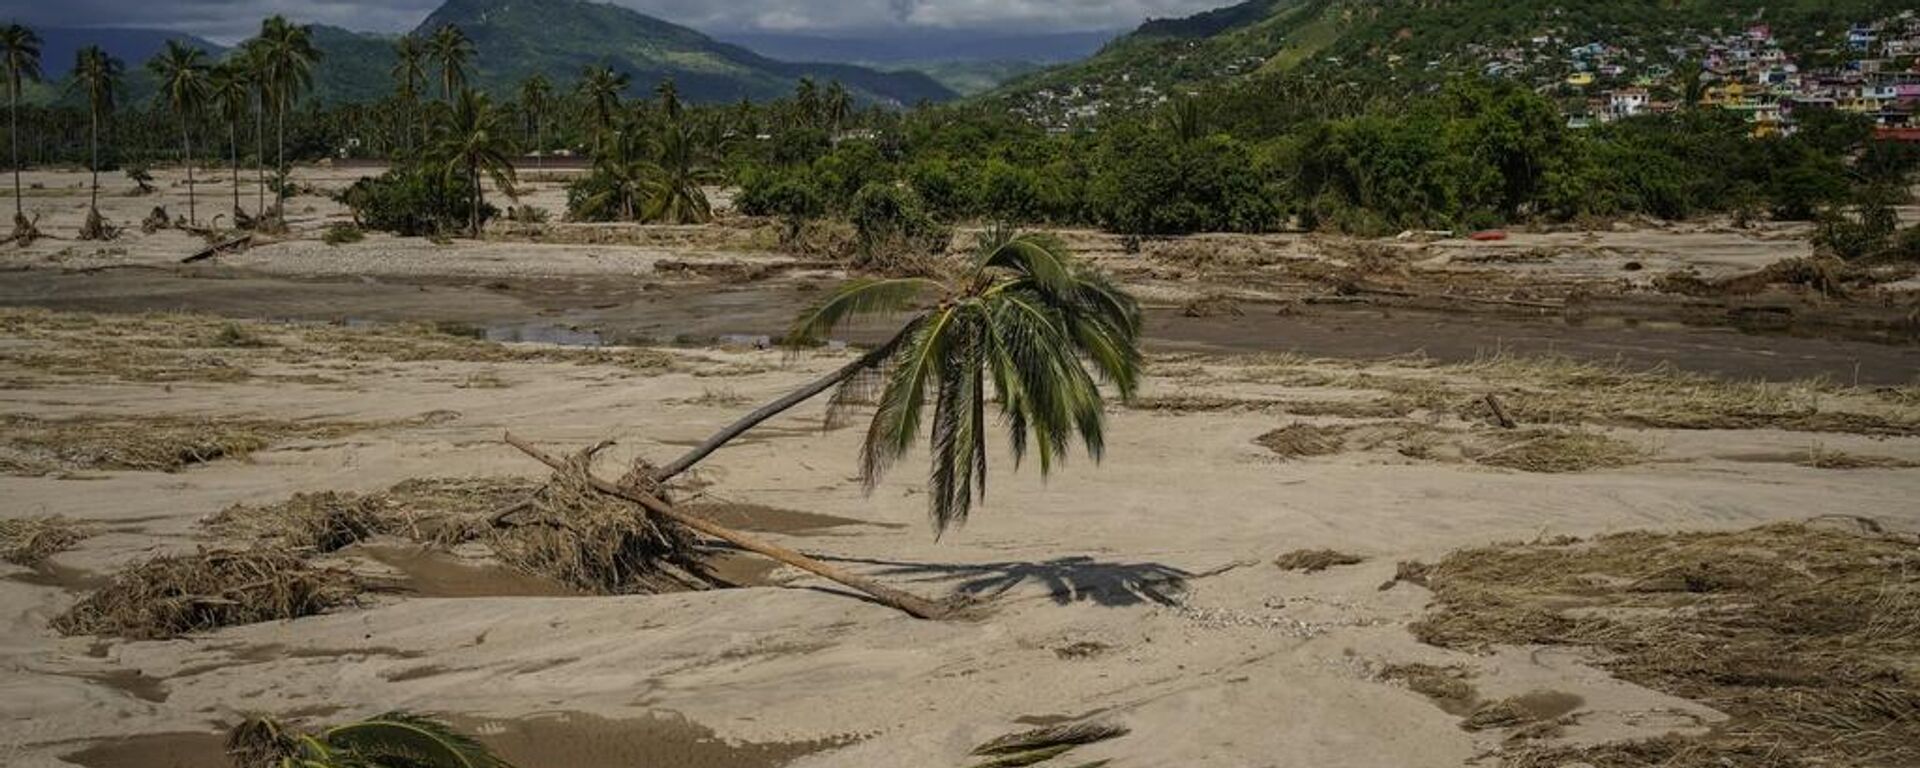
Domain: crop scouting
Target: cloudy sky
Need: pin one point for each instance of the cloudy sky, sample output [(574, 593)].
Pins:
[(227, 20)]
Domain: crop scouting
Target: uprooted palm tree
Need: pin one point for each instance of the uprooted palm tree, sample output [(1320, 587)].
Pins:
[(20, 52), (1020, 315), (392, 740)]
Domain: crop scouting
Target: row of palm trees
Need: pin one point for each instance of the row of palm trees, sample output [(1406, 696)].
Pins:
[(265, 77)]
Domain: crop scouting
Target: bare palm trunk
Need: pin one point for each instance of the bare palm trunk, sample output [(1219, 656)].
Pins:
[(280, 140), (775, 408), (93, 201), (13, 132), (911, 604), (479, 197), (233, 153), (186, 145), (260, 155)]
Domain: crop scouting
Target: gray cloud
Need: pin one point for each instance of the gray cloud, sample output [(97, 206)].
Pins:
[(227, 20)]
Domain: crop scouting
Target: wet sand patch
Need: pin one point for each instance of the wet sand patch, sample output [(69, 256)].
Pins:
[(429, 572), (765, 519)]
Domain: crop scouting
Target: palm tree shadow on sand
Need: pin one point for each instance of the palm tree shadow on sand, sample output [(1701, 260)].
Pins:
[(1066, 579)]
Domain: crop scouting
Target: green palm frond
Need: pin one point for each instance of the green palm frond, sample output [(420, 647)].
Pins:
[(1038, 257), (860, 296), (913, 370), (405, 740)]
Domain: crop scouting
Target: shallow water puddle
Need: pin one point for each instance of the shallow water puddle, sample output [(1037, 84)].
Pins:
[(554, 740)]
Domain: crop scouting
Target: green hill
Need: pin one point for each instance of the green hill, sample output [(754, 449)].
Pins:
[(514, 39), (1414, 41), (557, 38)]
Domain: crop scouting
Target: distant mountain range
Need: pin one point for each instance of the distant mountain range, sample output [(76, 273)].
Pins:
[(515, 39), (918, 46)]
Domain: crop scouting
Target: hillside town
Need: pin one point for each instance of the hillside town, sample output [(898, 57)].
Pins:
[(1871, 68)]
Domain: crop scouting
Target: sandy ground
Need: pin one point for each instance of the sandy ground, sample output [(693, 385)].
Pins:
[(1140, 589)]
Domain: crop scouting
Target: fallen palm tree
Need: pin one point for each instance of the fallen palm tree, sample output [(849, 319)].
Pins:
[(1020, 314)]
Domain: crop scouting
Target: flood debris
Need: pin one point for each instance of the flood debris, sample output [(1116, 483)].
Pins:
[(1447, 686), (174, 595), (1315, 560), (1043, 744), (1552, 451), (1530, 450), (1301, 439), (31, 445), (1803, 633), (29, 541)]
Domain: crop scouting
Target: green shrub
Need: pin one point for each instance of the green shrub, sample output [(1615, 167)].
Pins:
[(413, 200), (893, 226), (341, 234)]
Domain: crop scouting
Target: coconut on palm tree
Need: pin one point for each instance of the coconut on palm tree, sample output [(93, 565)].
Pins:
[(473, 141), (184, 88), (1019, 323), (96, 75), (391, 740), (230, 91), (451, 48)]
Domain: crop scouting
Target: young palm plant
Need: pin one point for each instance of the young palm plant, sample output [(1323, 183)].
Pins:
[(20, 50), (184, 88), (1019, 323), (473, 140), (392, 740), (97, 76)]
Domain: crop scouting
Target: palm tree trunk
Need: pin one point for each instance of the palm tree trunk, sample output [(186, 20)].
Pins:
[(479, 196), (775, 408), (93, 200), (186, 145), (260, 155), (13, 133), (280, 140), (233, 152), (911, 604)]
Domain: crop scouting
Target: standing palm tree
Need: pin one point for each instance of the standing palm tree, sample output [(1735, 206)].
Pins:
[(473, 141), (230, 89), (669, 99), (839, 105), (806, 100), (452, 49), (600, 87), (627, 171), (96, 75), (182, 72), (252, 57), (409, 75), (20, 49), (535, 95), (288, 57), (1022, 315), (674, 193)]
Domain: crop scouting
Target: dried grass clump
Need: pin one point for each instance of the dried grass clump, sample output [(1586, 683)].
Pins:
[(1295, 441), (1315, 560), (575, 535), (421, 342), (1447, 686), (1213, 305), (31, 445), (31, 540), (1562, 391), (175, 595), (1821, 458), (1805, 634), (1550, 450)]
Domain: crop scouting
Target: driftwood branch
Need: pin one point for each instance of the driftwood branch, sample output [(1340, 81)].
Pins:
[(236, 243), (1499, 412)]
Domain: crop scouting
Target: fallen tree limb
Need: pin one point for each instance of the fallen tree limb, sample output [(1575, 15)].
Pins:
[(234, 243), (1499, 412), (911, 604)]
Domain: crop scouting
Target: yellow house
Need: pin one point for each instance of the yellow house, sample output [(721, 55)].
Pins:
[(1580, 79)]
